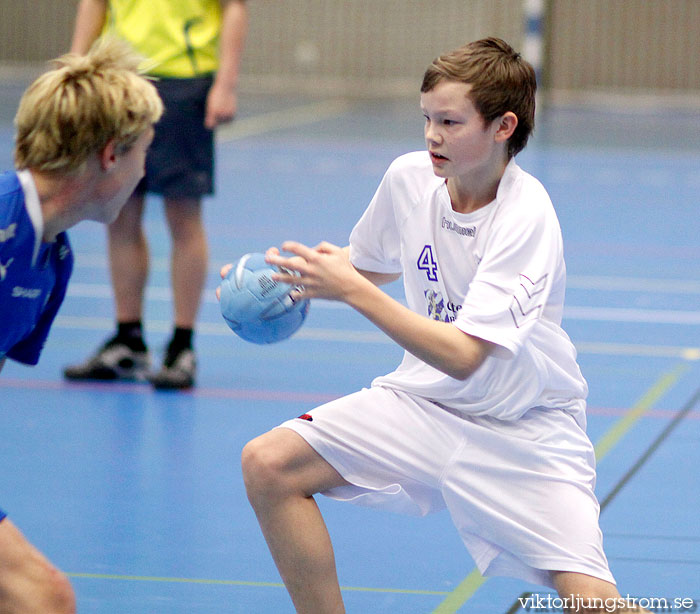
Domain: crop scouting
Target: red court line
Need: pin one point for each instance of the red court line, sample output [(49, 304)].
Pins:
[(143, 388), (251, 394)]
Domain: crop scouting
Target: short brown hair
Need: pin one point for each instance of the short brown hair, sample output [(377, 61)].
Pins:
[(73, 111), (501, 81)]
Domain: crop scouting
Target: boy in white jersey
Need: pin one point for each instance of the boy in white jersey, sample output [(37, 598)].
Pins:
[(485, 414)]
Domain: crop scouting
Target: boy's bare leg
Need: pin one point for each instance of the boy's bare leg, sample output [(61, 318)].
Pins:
[(28, 581), (281, 473), (189, 257), (590, 595), (128, 260)]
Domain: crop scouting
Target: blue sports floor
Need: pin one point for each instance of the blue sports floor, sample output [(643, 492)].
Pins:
[(138, 495)]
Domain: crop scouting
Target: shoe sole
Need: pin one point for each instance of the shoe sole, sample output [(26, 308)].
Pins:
[(109, 376)]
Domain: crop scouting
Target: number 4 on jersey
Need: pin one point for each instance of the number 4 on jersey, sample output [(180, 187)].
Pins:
[(427, 263)]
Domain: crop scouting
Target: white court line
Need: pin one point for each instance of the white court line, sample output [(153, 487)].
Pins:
[(572, 312), (281, 120), (633, 349), (622, 314), (329, 335), (574, 282), (221, 330), (163, 293), (633, 284)]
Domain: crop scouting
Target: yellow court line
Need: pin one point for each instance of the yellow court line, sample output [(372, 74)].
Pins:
[(282, 120), (618, 430), (128, 578), (466, 589), (459, 596)]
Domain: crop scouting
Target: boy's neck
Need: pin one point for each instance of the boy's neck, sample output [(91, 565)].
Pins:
[(61, 198), (469, 194)]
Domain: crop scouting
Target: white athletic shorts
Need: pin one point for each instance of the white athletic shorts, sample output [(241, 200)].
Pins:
[(520, 493)]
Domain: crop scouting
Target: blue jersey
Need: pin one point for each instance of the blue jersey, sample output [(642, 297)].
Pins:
[(33, 274)]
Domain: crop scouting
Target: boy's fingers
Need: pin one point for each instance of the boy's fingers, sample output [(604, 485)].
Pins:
[(298, 249), (225, 269)]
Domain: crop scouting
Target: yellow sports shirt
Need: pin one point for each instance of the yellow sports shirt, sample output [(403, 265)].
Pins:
[(180, 38)]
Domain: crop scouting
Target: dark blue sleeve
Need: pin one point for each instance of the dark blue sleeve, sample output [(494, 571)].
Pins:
[(29, 349)]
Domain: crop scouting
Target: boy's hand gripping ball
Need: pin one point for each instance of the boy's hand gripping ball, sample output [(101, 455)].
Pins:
[(256, 307)]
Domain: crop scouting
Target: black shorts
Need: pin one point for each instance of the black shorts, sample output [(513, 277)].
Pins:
[(180, 161)]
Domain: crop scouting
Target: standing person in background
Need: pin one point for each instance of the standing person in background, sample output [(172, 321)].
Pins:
[(83, 130), (194, 49)]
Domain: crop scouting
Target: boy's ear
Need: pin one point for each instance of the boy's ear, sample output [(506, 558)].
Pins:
[(108, 155), (507, 124)]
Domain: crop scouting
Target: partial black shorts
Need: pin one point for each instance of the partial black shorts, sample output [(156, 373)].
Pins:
[(180, 162)]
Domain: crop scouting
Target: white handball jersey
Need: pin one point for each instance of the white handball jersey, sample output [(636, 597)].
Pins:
[(497, 273)]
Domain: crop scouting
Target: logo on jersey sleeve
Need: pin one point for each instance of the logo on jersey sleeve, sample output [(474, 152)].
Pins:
[(436, 306), (3, 268), (8, 233), (528, 300), (28, 293), (439, 309)]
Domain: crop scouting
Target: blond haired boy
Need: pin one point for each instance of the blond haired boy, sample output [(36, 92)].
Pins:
[(82, 131)]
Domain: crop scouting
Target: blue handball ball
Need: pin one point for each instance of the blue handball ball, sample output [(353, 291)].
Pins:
[(256, 307)]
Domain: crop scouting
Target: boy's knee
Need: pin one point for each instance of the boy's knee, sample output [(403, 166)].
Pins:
[(276, 465), (41, 589), (51, 591), (29, 582), (61, 594), (582, 593), (261, 464), (601, 605), (281, 464)]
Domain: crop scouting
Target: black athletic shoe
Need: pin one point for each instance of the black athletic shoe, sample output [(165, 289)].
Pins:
[(177, 372), (113, 361)]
